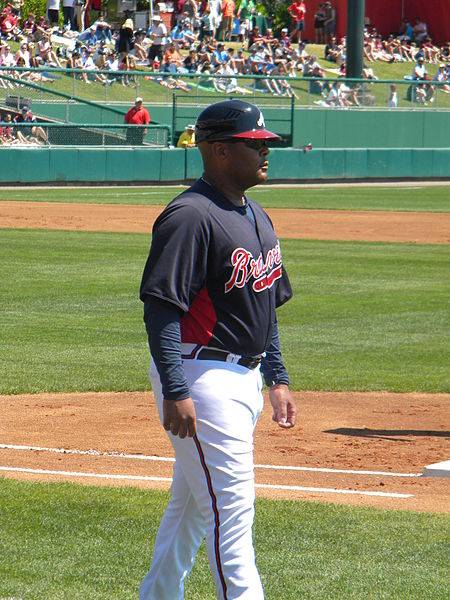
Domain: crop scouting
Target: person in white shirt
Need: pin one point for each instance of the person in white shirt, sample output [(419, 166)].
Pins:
[(6, 57), (158, 34), (23, 52)]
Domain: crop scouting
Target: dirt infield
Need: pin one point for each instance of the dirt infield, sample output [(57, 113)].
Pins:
[(375, 438), (433, 228), (354, 448)]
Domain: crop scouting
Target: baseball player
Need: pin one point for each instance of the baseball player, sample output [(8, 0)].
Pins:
[(213, 280)]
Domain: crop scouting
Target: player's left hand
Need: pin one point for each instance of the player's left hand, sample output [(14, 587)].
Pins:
[(283, 404)]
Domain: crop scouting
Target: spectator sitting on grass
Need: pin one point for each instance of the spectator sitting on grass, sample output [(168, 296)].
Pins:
[(331, 50), (256, 60), (219, 56), (341, 55), (284, 39), (445, 52), (45, 53), (30, 76), (204, 56), (183, 35), (285, 87), (29, 26), (254, 37), (422, 93), (228, 84), (9, 24), (140, 50), (87, 63), (239, 61), (42, 27), (173, 61), (441, 77), (430, 52), (367, 73)]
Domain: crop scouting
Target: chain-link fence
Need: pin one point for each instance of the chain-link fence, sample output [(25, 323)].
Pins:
[(55, 134), (112, 88)]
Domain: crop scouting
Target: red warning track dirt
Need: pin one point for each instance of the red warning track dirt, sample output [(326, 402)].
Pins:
[(378, 436)]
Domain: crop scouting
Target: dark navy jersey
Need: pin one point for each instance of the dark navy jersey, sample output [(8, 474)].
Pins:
[(221, 265)]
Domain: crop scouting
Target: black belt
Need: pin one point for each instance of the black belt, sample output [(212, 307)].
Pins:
[(215, 354)]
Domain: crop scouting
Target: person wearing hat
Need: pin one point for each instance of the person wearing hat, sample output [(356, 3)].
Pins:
[(137, 115), (441, 77), (187, 138), (210, 288), (158, 35)]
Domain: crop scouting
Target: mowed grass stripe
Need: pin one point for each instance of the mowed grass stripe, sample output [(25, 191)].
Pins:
[(420, 198), (99, 542), (364, 316)]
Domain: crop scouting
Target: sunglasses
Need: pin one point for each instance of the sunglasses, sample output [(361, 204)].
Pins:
[(249, 143)]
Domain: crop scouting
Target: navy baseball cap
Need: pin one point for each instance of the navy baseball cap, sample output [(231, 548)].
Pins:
[(232, 119)]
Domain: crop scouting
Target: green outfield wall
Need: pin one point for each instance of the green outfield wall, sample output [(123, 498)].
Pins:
[(39, 165), (323, 127)]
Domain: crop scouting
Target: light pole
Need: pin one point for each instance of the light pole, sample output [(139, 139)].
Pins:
[(355, 37)]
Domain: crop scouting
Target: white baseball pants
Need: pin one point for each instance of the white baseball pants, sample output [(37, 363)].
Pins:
[(212, 492)]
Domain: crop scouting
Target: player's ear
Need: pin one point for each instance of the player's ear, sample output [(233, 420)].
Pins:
[(220, 150)]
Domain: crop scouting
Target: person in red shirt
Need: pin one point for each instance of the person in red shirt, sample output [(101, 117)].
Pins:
[(297, 10), (137, 115)]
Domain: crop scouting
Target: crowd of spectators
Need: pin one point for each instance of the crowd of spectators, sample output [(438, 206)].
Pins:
[(199, 41)]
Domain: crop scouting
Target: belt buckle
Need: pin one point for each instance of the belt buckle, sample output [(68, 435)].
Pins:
[(233, 358)]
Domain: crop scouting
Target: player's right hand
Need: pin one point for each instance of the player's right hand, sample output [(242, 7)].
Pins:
[(179, 417)]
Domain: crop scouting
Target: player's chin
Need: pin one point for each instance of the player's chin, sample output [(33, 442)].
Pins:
[(262, 173)]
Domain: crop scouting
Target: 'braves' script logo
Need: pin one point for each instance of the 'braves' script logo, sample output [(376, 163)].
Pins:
[(245, 267)]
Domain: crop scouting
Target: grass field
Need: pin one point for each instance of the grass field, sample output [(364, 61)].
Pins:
[(62, 541), (364, 316), (72, 319), (417, 198)]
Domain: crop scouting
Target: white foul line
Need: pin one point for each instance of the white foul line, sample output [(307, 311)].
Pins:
[(167, 459), (168, 479)]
